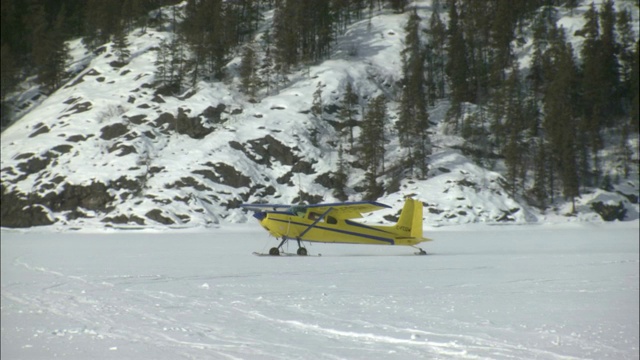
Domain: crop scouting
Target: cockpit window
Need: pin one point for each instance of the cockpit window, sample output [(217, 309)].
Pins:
[(298, 210), (314, 216), (331, 220)]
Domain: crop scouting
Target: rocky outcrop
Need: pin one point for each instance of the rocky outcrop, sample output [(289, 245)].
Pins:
[(609, 212)]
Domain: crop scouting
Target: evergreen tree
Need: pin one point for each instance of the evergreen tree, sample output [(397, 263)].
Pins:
[(515, 148), (398, 5), (121, 46), (501, 36), (372, 141), (347, 111), (8, 81), (437, 34), (635, 87), (316, 105), (341, 177), (248, 71), (540, 191), (413, 119), (609, 62), (626, 46), (50, 52), (266, 69), (561, 116), (457, 67)]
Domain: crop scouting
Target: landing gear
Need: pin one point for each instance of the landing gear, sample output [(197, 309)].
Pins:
[(420, 251), (275, 251)]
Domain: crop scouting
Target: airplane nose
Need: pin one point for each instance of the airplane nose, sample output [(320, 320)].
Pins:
[(260, 215)]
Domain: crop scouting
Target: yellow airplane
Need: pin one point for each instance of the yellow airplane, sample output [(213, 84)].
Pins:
[(331, 223)]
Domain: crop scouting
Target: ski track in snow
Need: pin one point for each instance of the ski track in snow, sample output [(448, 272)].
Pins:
[(564, 292)]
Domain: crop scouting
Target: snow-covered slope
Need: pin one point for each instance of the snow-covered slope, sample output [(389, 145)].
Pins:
[(107, 149)]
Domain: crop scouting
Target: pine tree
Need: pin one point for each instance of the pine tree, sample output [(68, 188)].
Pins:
[(609, 62), (561, 116), (502, 35), (457, 67), (635, 89), (316, 105), (248, 71), (515, 149), (372, 142), (8, 81), (347, 111), (626, 47), (50, 52), (266, 69), (121, 46), (413, 119), (539, 190), (341, 177), (437, 41)]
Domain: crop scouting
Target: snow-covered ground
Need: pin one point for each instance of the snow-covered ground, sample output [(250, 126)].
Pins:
[(567, 291)]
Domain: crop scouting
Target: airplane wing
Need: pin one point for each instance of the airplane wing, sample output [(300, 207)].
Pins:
[(265, 207), (349, 210)]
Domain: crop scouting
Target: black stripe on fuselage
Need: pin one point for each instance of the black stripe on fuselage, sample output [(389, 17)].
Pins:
[(387, 240)]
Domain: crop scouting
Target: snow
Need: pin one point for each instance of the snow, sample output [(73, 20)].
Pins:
[(564, 291)]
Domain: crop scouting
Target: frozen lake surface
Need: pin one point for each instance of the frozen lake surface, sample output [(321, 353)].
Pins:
[(485, 292)]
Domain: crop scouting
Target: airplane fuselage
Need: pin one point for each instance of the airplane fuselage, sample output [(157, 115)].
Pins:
[(315, 227)]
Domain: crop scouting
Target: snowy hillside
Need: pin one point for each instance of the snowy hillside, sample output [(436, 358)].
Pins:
[(108, 149)]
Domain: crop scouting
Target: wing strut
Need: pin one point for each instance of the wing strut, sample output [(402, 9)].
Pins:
[(315, 222)]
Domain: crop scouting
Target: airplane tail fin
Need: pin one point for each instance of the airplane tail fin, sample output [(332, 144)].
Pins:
[(410, 221)]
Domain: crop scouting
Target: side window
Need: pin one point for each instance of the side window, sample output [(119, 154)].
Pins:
[(331, 220), (313, 216)]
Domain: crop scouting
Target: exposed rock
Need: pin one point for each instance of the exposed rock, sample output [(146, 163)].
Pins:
[(110, 132), (225, 174), (156, 215), (304, 197), (165, 118), (326, 179), (62, 149), (261, 190), (19, 210), (631, 197), (80, 108), (269, 148), (124, 182), (191, 126), (34, 164), (610, 212), (124, 149), (78, 138), (34, 215), (136, 119), (285, 179), (124, 219), (23, 156), (41, 130), (304, 167), (188, 182)]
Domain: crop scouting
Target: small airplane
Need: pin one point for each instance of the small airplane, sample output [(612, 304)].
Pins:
[(331, 223)]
